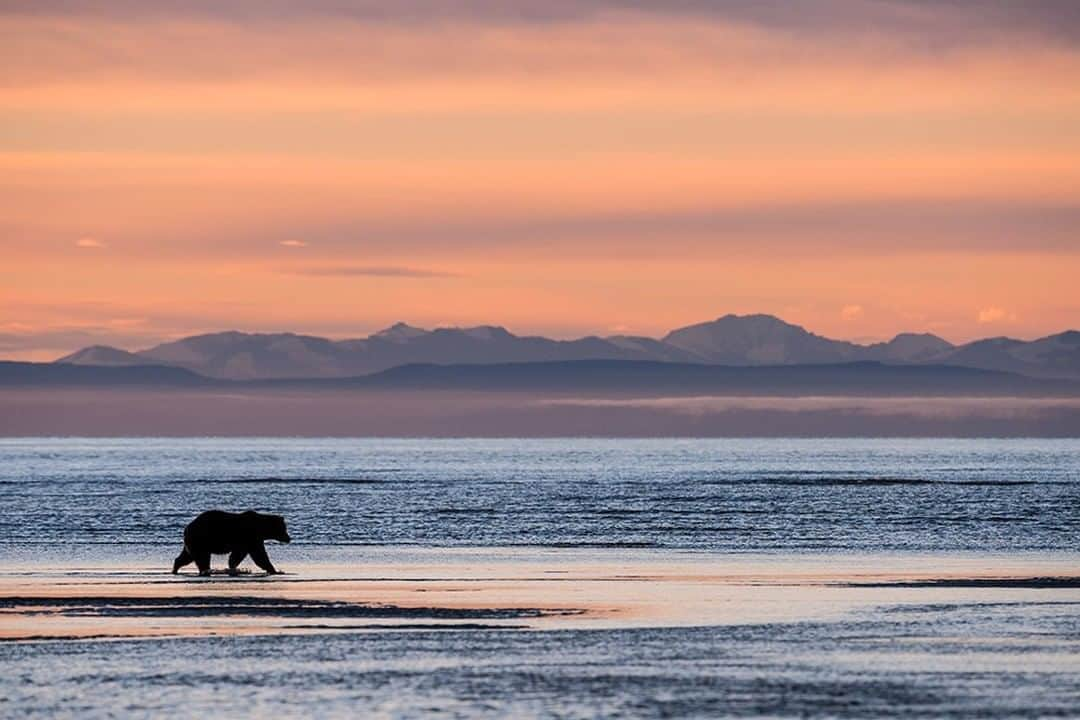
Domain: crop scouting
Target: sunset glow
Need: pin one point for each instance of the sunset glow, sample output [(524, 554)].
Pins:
[(597, 170)]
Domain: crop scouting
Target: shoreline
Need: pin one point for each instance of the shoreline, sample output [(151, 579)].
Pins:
[(500, 588)]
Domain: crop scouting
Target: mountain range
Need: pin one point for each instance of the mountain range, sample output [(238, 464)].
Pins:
[(732, 340)]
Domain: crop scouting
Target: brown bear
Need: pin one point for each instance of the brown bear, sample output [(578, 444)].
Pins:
[(216, 532)]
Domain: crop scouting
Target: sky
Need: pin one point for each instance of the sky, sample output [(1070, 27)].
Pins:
[(559, 167)]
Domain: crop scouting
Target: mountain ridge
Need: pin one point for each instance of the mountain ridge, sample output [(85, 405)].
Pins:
[(730, 340)]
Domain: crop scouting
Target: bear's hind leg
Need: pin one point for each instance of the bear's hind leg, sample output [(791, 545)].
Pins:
[(235, 558), (181, 560), (260, 558), (202, 560)]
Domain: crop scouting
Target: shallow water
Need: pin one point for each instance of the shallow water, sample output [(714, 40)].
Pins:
[(725, 495), (923, 661)]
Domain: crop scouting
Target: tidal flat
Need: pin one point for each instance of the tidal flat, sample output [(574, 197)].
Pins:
[(545, 632)]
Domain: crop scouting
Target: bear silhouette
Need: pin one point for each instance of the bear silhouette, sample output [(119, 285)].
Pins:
[(216, 532)]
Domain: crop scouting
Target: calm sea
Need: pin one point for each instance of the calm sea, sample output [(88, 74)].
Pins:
[(775, 495)]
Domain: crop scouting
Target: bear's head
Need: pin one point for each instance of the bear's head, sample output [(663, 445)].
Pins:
[(275, 528)]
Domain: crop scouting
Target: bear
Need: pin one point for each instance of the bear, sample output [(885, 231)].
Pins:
[(238, 534)]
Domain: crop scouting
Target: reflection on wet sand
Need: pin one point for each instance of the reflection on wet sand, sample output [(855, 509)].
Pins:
[(537, 633), (512, 589)]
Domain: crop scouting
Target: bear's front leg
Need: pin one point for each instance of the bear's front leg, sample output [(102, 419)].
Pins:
[(260, 558)]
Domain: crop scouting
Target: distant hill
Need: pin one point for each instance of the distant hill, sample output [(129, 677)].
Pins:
[(909, 348), (662, 378), (27, 374), (759, 340), (624, 377), (241, 356), (104, 356), (244, 356), (1053, 356), (747, 340)]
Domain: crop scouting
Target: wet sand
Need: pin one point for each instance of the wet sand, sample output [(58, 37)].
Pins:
[(361, 589)]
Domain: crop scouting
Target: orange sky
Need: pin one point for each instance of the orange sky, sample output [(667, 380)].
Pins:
[(562, 168)]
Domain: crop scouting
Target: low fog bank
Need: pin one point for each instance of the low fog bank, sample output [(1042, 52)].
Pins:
[(916, 407), (141, 412)]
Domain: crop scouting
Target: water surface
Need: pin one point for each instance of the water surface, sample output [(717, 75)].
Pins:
[(783, 495)]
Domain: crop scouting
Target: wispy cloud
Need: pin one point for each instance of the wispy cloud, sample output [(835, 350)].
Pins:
[(869, 227), (388, 271), (293, 243), (955, 22), (89, 242)]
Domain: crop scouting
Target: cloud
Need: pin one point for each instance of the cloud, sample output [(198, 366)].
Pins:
[(935, 23), (229, 42), (370, 271), (89, 242), (995, 315), (856, 228), (851, 312), (871, 227), (293, 243)]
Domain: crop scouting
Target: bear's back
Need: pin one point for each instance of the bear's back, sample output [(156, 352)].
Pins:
[(220, 531)]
